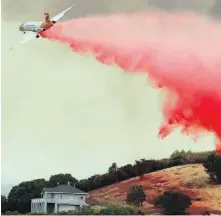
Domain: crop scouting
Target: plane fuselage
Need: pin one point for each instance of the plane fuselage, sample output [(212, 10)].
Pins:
[(36, 26)]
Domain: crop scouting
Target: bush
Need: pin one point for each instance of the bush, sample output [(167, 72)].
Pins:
[(177, 153), (136, 195), (64, 213), (82, 211), (12, 213), (118, 210), (182, 157), (173, 203), (212, 166), (206, 213), (179, 158)]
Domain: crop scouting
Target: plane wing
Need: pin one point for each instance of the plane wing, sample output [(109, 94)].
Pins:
[(29, 36), (60, 15)]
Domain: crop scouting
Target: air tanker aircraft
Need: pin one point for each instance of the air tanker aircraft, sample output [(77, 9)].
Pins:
[(33, 29)]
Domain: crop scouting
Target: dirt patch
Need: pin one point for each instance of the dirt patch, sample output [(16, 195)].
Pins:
[(189, 179)]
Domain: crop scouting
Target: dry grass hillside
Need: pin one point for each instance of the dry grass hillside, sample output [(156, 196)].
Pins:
[(190, 179)]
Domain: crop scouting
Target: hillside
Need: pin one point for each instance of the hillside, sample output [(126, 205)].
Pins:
[(190, 179)]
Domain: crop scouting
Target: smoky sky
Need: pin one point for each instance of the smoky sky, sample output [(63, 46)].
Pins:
[(20, 9)]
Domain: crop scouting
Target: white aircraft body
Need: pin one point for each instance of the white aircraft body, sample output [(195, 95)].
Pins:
[(33, 29)]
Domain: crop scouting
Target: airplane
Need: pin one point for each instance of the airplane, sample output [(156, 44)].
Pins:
[(33, 29)]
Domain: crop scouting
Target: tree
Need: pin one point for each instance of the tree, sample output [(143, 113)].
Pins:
[(173, 203), (20, 196), (128, 170), (181, 154), (93, 182), (62, 179), (112, 168), (113, 172), (178, 158), (4, 204), (212, 166), (24, 204), (136, 195), (143, 166)]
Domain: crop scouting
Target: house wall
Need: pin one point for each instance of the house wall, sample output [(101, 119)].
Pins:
[(63, 207), (65, 196)]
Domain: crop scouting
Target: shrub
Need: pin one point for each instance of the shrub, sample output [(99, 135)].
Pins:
[(182, 157), (212, 166), (173, 202), (64, 213), (177, 153), (82, 211), (206, 213), (178, 158), (136, 195), (118, 210), (12, 213)]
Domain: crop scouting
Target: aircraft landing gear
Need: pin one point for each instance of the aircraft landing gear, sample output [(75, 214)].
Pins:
[(37, 36)]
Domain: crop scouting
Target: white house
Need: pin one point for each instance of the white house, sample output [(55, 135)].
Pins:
[(57, 199)]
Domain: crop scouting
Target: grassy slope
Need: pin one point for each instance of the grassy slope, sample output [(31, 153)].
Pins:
[(190, 179)]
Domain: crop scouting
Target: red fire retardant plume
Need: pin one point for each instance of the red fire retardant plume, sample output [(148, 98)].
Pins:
[(180, 52)]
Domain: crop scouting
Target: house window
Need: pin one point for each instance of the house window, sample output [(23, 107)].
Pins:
[(51, 196)]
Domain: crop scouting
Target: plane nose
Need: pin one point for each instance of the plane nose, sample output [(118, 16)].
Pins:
[(21, 27)]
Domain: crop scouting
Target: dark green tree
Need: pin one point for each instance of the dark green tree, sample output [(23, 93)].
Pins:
[(20, 196), (62, 179), (128, 170), (112, 168), (181, 154), (136, 195), (4, 204), (178, 158), (173, 203), (93, 182), (212, 166), (144, 166), (113, 172)]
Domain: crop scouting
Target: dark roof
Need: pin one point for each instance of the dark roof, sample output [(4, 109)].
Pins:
[(64, 189)]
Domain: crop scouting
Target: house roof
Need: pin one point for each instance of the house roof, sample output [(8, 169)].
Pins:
[(63, 189)]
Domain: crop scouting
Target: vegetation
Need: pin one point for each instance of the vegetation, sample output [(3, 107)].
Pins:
[(12, 213), (20, 196), (136, 195), (109, 210), (173, 203), (118, 210), (213, 167), (82, 211), (4, 204)]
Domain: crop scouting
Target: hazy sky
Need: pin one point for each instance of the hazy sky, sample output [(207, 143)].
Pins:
[(66, 113)]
